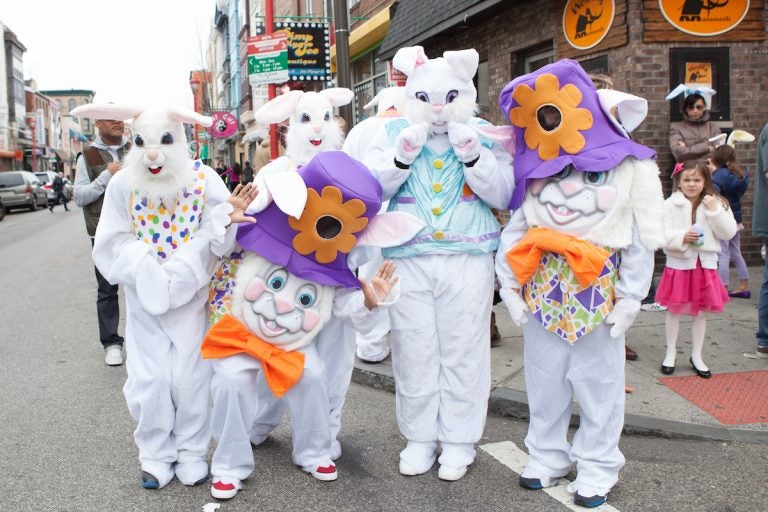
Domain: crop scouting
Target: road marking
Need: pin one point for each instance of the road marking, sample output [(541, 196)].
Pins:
[(515, 459)]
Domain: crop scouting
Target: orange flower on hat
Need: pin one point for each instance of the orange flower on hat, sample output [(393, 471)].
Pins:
[(328, 225), (562, 133)]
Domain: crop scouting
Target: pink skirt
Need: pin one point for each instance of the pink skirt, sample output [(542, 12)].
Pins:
[(687, 292)]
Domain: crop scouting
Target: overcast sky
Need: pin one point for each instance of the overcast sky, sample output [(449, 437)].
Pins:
[(136, 51)]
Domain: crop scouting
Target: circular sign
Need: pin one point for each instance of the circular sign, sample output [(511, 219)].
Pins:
[(224, 125), (704, 17), (587, 22)]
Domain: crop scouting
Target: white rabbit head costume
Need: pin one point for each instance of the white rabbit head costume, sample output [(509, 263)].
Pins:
[(312, 127), (159, 163)]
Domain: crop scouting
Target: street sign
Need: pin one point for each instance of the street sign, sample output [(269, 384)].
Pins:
[(268, 59)]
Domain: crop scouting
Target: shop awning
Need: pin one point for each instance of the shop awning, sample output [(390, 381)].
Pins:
[(365, 36)]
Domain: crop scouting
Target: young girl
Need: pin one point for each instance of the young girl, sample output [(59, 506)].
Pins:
[(695, 220), (730, 181)]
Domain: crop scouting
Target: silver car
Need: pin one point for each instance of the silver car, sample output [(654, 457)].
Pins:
[(47, 177), (22, 189)]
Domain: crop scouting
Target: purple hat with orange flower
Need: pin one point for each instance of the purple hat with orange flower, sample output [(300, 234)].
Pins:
[(342, 197), (558, 120)]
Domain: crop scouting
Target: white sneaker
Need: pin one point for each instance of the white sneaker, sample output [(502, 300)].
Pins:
[(114, 355), (653, 306)]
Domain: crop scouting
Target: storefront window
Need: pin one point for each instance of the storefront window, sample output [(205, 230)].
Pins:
[(705, 67), (369, 77)]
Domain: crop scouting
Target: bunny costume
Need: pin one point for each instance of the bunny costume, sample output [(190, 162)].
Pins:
[(440, 164), (574, 263), (163, 252), (293, 275)]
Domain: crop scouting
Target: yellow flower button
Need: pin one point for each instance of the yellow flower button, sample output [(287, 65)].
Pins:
[(437, 210), (439, 235), (437, 187), (437, 163)]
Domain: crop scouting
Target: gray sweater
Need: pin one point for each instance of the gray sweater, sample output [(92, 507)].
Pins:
[(760, 206)]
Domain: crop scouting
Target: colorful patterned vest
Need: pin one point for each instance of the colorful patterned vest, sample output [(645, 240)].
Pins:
[(165, 229), (222, 285), (561, 305)]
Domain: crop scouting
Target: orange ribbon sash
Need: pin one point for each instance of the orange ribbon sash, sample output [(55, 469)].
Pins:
[(229, 336), (585, 258)]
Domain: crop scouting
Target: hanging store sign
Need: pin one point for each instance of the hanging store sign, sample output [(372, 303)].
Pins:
[(704, 17), (224, 125), (309, 49), (268, 59), (587, 22)]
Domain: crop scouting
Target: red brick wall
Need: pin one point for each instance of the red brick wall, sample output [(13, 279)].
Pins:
[(638, 68)]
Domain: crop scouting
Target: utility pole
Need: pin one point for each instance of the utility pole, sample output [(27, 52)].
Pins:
[(343, 78)]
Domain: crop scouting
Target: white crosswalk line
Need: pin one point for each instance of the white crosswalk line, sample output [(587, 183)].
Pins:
[(515, 459)]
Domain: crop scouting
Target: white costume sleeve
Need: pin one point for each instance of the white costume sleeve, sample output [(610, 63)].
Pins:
[(722, 222), (85, 190), (635, 270), (491, 178), (510, 235), (349, 307), (380, 159)]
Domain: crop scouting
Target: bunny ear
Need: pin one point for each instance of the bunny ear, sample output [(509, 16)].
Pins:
[(278, 109), (631, 109), (463, 62), (387, 98), (338, 96), (288, 191), (409, 58), (739, 136), (106, 111), (184, 115), (389, 229)]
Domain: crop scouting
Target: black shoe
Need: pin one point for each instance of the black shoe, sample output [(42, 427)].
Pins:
[(667, 370), (50, 208), (704, 374), (533, 484), (590, 502)]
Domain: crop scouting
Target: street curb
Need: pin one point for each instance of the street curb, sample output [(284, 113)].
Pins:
[(514, 404)]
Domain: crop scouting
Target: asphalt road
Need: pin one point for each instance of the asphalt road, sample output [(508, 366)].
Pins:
[(66, 436)]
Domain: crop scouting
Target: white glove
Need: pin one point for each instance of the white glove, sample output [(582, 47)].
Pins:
[(465, 142), (410, 141), (515, 305), (153, 286), (624, 312)]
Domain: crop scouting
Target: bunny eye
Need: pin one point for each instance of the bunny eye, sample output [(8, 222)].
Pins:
[(305, 118), (306, 296), (452, 95), (594, 178), (167, 138), (139, 141), (277, 279), (422, 96), (327, 116)]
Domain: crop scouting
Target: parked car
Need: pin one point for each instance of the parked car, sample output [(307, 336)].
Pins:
[(46, 177), (22, 189)]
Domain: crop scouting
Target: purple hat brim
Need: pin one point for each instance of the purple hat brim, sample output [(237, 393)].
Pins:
[(596, 160), (253, 237)]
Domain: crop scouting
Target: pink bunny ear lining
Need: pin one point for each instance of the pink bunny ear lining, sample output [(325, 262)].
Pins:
[(390, 229)]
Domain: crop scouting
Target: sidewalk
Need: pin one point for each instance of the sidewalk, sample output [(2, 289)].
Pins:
[(732, 405)]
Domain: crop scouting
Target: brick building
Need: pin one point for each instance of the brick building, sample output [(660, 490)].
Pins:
[(641, 46)]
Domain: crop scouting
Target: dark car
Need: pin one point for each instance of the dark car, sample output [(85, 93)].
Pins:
[(22, 189)]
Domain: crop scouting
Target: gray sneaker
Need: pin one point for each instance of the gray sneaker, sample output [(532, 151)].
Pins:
[(114, 355), (653, 306), (761, 352)]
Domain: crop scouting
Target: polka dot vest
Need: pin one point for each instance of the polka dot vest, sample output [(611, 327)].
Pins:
[(166, 228)]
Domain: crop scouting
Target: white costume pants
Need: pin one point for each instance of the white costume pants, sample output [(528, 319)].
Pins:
[(237, 391), (440, 349), (591, 371), (168, 386)]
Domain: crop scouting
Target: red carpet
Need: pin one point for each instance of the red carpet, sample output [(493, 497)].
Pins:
[(731, 398)]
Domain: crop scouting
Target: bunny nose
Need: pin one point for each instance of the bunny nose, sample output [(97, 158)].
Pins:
[(152, 154), (283, 306), (318, 128), (438, 108), (569, 187)]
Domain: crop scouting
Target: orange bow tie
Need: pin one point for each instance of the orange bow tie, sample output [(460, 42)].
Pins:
[(229, 336), (585, 258)]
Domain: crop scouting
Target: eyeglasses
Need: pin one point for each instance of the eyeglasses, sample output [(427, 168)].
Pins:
[(698, 106)]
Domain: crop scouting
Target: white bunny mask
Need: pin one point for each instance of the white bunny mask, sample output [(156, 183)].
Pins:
[(439, 90), (158, 162), (312, 127)]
